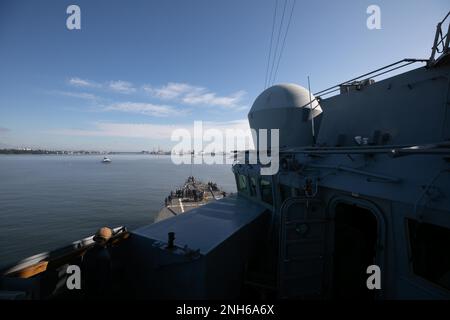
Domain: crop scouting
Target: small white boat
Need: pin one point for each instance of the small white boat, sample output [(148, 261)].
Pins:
[(106, 160)]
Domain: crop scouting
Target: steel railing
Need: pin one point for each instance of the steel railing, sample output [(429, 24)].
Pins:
[(441, 41)]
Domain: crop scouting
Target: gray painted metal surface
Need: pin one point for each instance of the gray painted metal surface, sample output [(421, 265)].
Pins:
[(206, 227)]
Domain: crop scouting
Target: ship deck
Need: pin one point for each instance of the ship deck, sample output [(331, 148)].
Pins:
[(183, 199)]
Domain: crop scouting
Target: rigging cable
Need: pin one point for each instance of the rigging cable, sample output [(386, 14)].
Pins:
[(271, 41), (284, 42), (278, 40)]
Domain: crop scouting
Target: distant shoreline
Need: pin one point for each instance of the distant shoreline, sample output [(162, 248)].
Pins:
[(74, 153)]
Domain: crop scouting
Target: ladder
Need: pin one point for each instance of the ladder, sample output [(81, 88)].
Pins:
[(304, 260)]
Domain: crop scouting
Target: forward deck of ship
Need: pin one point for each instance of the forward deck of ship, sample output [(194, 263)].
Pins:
[(178, 205)]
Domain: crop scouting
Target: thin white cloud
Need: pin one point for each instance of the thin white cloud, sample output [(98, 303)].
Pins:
[(179, 92), (195, 95), (170, 91), (4, 130), (122, 87), (210, 98), (77, 82), (145, 108), (242, 108), (149, 109), (117, 86), (149, 130), (228, 136), (80, 95), (123, 130)]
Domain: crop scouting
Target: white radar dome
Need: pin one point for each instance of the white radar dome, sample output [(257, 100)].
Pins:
[(287, 107)]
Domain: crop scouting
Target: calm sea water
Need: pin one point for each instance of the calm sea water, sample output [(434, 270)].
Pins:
[(49, 201)]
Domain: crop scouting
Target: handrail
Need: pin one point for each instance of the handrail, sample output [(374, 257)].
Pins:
[(405, 61), (76, 248), (439, 46)]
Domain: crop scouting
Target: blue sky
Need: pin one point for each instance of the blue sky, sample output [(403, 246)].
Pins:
[(139, 69)]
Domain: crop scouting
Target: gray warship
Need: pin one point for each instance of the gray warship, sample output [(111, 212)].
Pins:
[(364, 180)]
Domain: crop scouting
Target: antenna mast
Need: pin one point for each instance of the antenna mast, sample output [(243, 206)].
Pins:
[(311, 113)]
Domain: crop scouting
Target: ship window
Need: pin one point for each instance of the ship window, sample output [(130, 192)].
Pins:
[(253, 186), (242, 183), (266, 191), (429, 252)]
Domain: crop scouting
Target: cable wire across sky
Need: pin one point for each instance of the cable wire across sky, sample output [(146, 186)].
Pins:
[(273, 61)]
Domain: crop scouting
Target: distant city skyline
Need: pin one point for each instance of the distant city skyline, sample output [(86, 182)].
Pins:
[(137, 70)]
